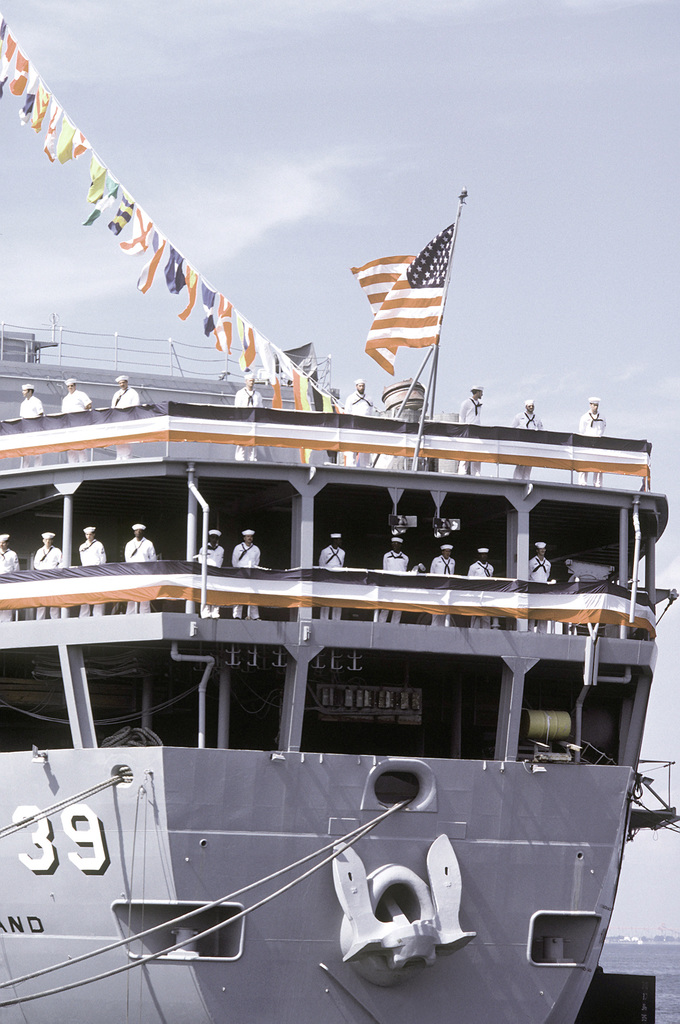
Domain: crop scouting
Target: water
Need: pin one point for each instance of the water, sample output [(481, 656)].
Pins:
[(661, 959)]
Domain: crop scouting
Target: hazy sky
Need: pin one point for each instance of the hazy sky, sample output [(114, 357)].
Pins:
[(279, 142)]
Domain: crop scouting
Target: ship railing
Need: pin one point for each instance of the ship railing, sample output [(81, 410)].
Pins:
[(221, 433), (471, 601)]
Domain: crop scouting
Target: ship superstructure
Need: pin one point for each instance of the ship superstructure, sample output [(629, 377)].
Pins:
[(462, 792)]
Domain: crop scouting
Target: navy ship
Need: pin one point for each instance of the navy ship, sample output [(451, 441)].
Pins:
[(393, 796)]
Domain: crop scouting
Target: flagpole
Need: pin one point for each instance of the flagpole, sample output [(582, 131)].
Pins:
[(461, 202)]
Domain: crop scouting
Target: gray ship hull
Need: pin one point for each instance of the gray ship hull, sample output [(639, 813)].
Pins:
[(197, 825)]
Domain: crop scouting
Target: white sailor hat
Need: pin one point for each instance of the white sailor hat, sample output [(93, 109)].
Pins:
[(336, 536), (48, 536), (443, 546), (594, 401), (395, 536), (71, 380), (359, 380), (138, 526), (247, 533), (27, 387), (249, 375), (482, 551), (4, 537), (477, 387), (214, 533), (539, 544), (121, 378), (89, 529), (529, 401)]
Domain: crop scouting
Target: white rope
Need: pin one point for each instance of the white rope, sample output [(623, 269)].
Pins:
[(337, 846), (115, 780)]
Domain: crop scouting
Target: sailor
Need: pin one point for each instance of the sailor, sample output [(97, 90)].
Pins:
[(359, 404), (9, 562), (443, 565), (91, 553), (47, 557), (247, 398), (482, 567), (332, 557), (30, 409), (125, 398), (213, 554), (75, 401), (529, 421), (246, 555), (471, 412), (139, 549), (539, 572), (394, 560), (592, 424)]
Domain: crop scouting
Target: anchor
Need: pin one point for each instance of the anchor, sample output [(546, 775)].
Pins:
[(394, 923)]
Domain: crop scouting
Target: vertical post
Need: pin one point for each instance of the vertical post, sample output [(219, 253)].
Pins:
[(66, 539), (511, 545), (650, 568), (147, 702), (302, 542), (461, 202), (510, 707), (115, 350), (223, 706), (522, 568), (77, 697), (623, 559), (294, 694), (192, 507)]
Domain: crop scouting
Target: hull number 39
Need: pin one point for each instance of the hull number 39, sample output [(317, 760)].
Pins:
[(81, 828)]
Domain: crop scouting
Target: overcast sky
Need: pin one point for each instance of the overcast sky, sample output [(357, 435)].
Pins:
[(277, 143)]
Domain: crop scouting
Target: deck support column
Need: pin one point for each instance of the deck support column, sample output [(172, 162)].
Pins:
[(517, 547), (77, 696), (295, 689), (192, 513), (510, 706)]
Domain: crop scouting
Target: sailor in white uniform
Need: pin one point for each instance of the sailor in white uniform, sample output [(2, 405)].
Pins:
[(394, 560), (332, 557), (471, 412), (9, 562), (125, 398), (443, 565), (139, 549), (30, 409), (592, 425), (482, 567), (539, 572), (529, 421), (359, 404), (91, 553), (75, 401), (213, 555), (48, 557), (246, 555), (247, 398)]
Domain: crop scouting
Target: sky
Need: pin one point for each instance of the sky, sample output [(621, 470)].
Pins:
[(277, 143)]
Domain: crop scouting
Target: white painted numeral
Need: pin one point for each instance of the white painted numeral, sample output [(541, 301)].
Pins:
[(42, 837), (86, 830), (81, 825)]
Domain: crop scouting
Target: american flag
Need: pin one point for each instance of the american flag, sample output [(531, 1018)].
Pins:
[(407, 296)]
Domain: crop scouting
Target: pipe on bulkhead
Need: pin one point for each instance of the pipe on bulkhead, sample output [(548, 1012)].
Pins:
[(193, 489), (209, 662), (590, 664), (636, 558)]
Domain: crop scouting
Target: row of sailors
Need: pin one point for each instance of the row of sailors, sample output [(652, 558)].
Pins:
[(591, 424), (246, 554), (357, 404)]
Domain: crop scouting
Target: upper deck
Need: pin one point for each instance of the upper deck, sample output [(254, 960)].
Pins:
[(182, 461)]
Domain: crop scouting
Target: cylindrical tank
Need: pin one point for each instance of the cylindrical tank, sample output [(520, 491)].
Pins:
[(392, 397), (545, 726)]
